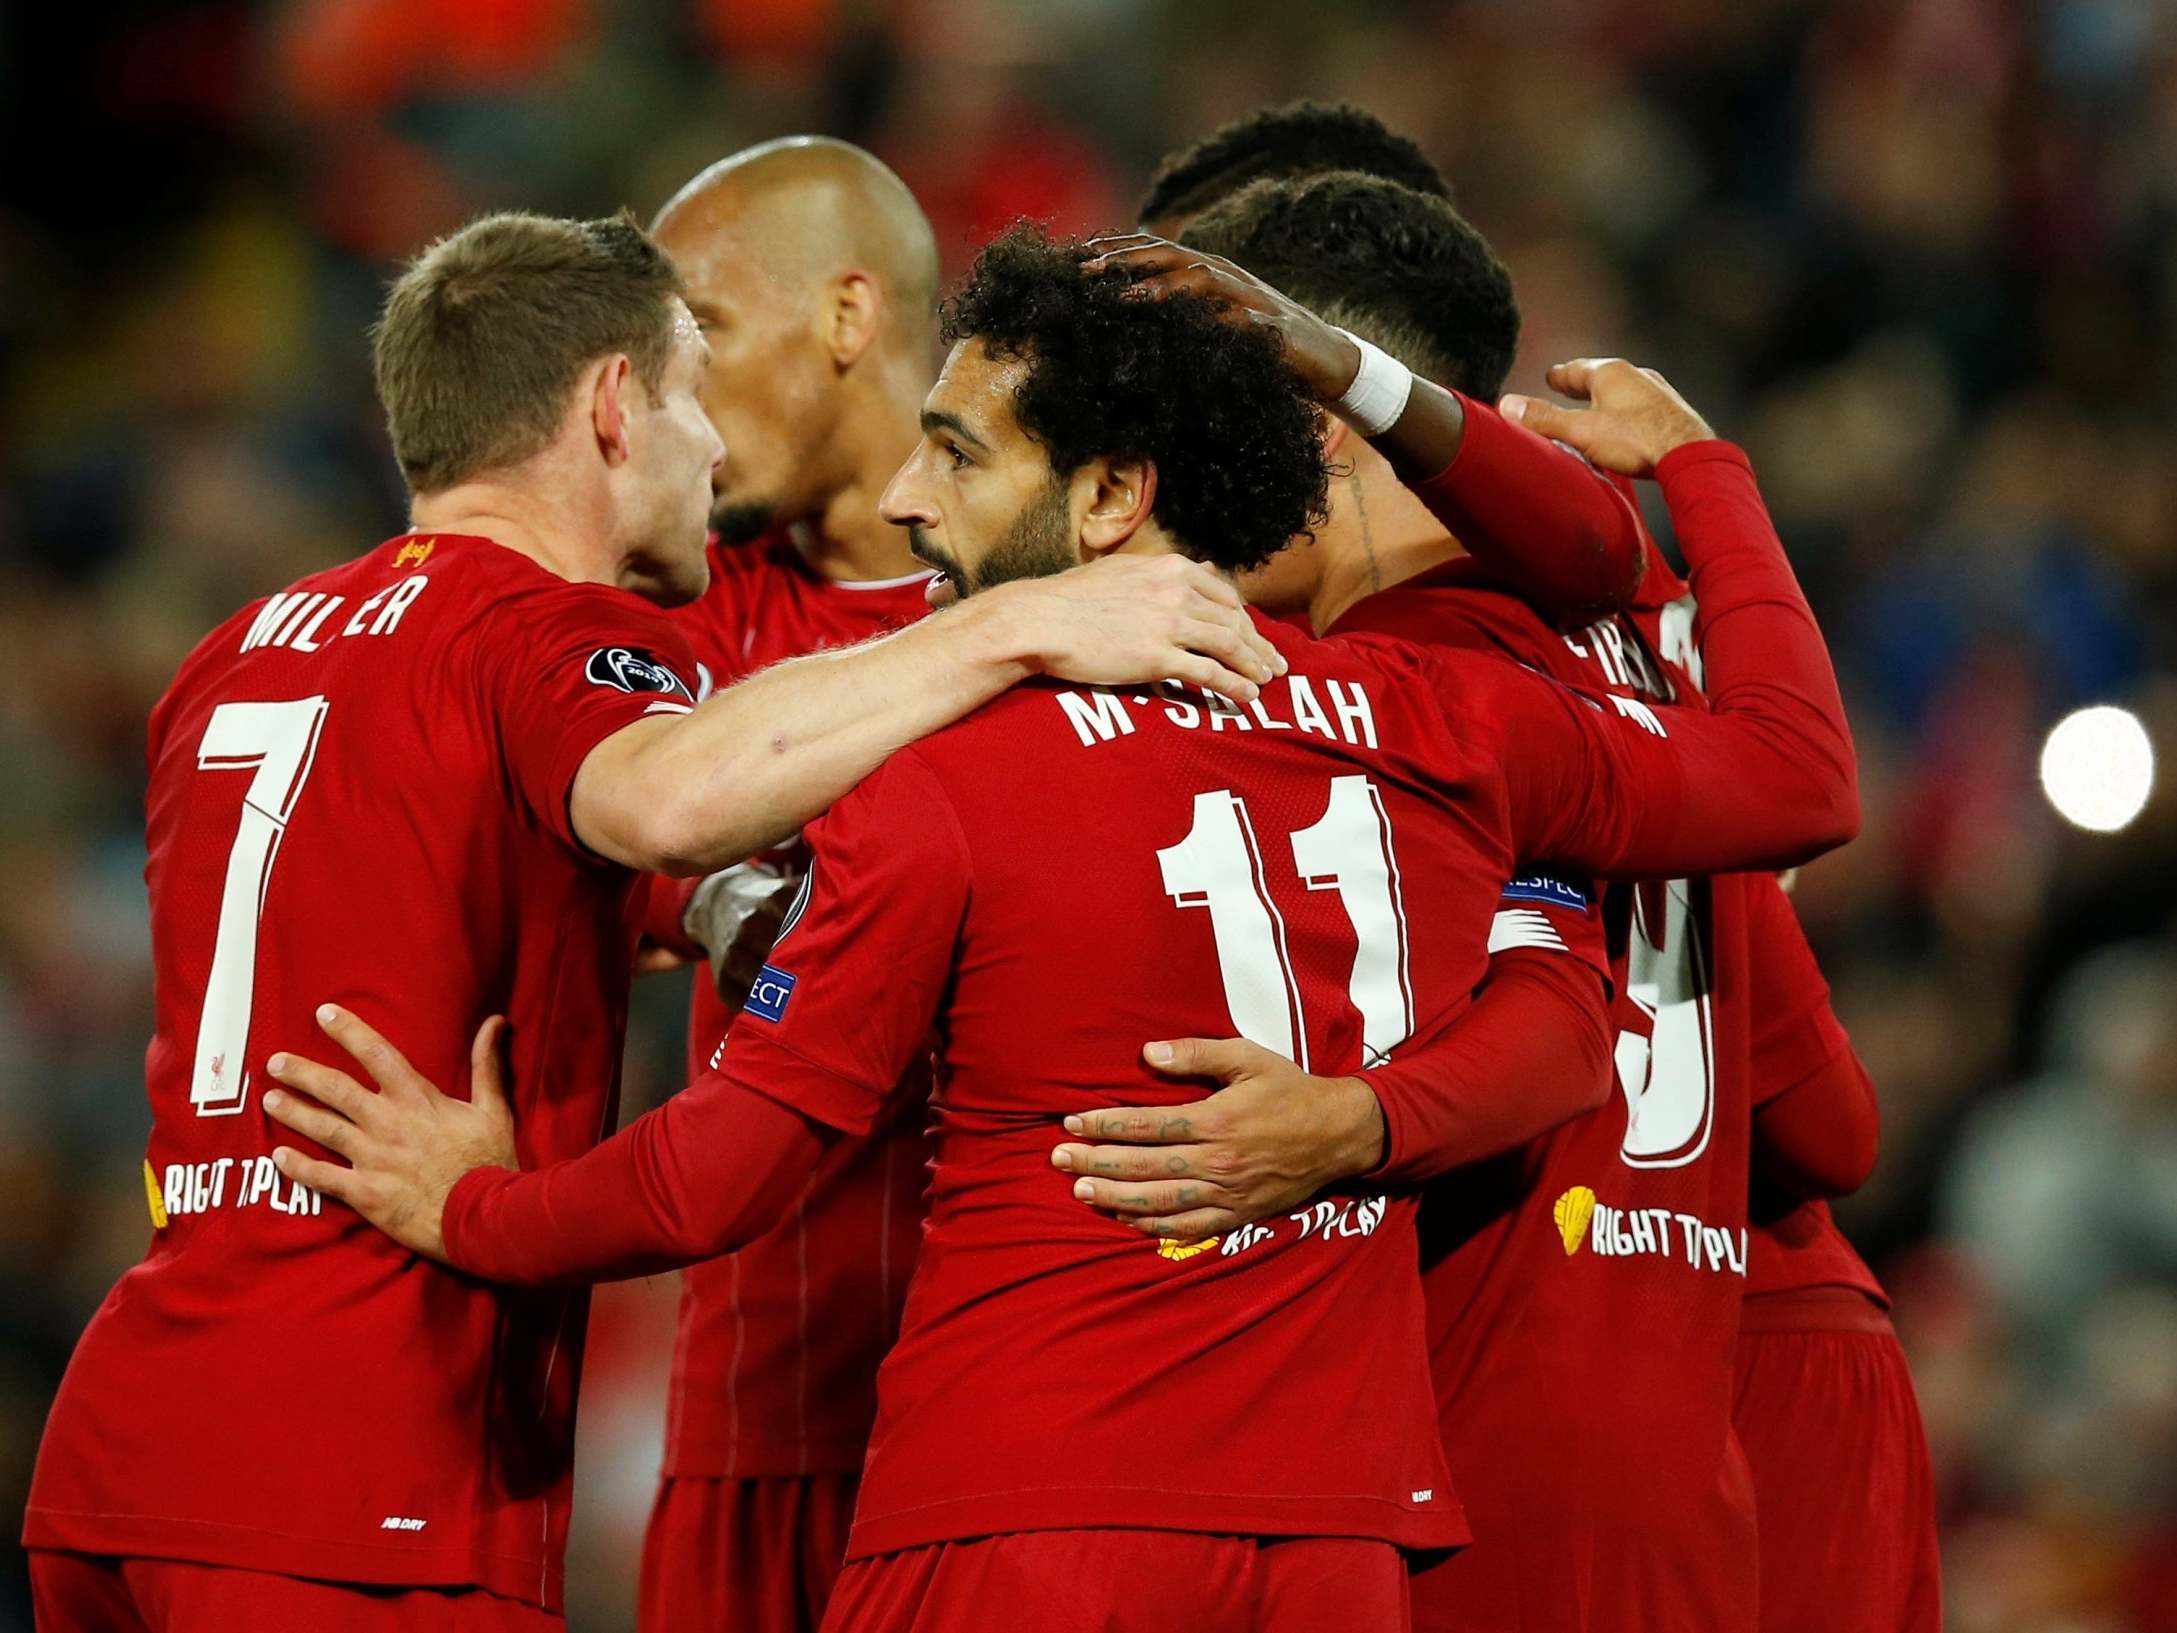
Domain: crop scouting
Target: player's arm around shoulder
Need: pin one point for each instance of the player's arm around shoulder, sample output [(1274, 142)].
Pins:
[(760, 759)]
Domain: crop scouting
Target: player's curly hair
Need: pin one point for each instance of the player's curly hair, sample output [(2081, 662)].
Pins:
[(1397, 267), (1217, 408), (1298, 139)]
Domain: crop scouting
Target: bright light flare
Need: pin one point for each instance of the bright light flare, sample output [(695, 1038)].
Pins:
[(2097, 768)]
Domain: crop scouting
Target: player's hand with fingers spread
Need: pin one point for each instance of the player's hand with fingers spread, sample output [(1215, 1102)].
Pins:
[(1269, 1138), (406, 1144), (1633, 418), (1129, 619), (1324, 354)]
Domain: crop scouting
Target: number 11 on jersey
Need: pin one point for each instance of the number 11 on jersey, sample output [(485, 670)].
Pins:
[(278, 740), (1219, 866)]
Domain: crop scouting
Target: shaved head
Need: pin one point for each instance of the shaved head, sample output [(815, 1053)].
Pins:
[(813, 273), (812, 208)]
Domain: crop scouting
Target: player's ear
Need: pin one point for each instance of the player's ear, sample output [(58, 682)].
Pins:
[(608, 407), (853, 310), (1121, 495), (1333, 431)]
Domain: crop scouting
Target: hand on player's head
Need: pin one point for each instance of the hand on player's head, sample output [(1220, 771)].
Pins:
[(1634, 416), (1325, 356), (406, 1144)]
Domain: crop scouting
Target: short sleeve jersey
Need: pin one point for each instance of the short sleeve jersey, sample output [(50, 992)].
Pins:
[(775, 1365), (358, 793), (1587, 1287), (1069, 873)]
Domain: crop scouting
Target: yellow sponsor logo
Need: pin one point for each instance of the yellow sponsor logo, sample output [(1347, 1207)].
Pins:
[(151, 1195), (415, 550), (1186, 1250), (1573, 1211)]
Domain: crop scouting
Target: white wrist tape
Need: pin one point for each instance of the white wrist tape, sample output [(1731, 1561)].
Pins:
[(725, 901), (1377, 396)]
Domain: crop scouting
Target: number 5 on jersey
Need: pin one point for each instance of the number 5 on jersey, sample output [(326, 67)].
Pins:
[(278, 741)]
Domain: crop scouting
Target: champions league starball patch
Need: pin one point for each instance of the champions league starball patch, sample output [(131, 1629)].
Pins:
[(630, 669)]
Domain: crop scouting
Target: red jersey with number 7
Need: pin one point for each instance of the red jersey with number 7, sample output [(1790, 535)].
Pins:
[(358, 794)]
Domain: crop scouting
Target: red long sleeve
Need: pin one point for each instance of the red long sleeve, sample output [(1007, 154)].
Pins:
[(709, 1171), (1532, 1052), (1819, 1138), (1764, 778), (1545, 523), (719, 1163), (1816, 1122)]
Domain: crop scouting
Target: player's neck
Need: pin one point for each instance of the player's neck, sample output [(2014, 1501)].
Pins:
[(1378, 535), (549, 531), (848, 539)]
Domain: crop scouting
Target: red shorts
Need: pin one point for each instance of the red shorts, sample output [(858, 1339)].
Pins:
[(1841, 1482), (1126, 1582), (754, 1556), (88, 1593), (1550, 1558)]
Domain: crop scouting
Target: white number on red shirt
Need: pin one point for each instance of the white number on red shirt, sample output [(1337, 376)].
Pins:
[(1219, 866), (278, 741), (1669, 1076)]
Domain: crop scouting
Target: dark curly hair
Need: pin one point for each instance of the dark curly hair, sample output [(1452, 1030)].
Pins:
[(1299, 139), (1215, 407), (1400, 268)]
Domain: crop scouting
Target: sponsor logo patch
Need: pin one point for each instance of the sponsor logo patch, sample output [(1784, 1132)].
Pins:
[(1185, 1250), (774, 988), (630, 669), (1623, 1233), (1572, 1213), (1542, 887)]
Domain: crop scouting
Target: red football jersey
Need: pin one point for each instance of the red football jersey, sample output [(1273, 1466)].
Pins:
[(1794, 1247), (1068, 873), (1587, 1288), (358, 794), (775, 1365)]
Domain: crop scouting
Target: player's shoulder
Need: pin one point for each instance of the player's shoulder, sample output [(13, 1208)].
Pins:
[(748, 581), (750, 564), (1456, 604), (1660, 583)]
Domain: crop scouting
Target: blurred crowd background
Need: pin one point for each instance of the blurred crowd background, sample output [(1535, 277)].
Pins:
[(1920, 256)]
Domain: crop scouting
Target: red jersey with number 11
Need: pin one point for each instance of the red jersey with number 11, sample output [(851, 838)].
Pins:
[(358, 794)]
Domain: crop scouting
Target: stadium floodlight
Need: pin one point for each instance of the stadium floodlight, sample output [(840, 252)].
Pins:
[(2097, 768)]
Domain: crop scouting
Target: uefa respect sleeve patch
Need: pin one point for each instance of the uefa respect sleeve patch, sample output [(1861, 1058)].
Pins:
[(773, 990), (1548, 890)]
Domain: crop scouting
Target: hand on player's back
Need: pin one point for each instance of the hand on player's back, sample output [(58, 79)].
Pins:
[(407, 1144), (1633, 418), (1129, 619), (1269, 1138), (1324, 355)]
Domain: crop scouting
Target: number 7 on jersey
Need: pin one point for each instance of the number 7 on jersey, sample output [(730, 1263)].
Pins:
[(279, 740)]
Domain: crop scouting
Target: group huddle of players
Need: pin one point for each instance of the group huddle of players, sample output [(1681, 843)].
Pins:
[(1311, 1114)]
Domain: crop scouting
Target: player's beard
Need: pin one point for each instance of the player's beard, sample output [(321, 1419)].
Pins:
[(742, 521), (1037, 544)]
